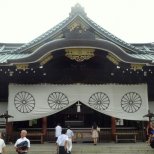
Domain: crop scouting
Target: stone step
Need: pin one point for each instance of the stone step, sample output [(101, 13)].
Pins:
[(101, 148)]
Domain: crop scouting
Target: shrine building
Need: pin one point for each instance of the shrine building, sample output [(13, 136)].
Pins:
[(76, 73)]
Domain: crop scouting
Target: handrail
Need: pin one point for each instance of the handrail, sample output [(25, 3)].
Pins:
[(102, 128)]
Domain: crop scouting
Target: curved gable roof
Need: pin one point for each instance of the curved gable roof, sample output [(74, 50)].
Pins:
[(76, 13), (76, 16)]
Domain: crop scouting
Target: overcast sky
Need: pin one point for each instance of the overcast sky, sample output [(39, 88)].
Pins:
[(23, 20)]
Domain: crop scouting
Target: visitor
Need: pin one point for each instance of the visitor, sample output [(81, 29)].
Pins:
[(62, 142), (70, 135), (2, 145), (22, 144), (149, 130), (58, 130), (95, 133)]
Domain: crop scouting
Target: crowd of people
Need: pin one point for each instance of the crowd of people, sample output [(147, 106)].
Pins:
[(64, 139)]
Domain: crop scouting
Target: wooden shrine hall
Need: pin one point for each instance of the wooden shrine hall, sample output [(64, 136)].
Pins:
[(75, 74)]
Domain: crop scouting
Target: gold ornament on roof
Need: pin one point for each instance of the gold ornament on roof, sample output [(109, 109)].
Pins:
[(46, 59), (113, 59), (137, 66), (79, 54), (22, 66), (77, 25)]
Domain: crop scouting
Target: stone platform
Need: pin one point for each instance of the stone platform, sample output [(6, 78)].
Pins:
[(89, 148)]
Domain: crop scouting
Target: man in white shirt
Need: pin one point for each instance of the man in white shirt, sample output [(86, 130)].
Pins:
[(62, 142), (58, 130), (2, 144), (70, 135), (22, 139)]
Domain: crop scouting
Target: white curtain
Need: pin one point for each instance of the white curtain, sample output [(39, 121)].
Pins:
[(28, 102)]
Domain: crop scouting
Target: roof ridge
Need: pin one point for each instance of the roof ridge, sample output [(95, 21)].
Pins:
[(119, 41), (39, 38), (78, 10)]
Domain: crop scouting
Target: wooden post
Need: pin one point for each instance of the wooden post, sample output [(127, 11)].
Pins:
[(44, 125), (113, 127), (9, 131)]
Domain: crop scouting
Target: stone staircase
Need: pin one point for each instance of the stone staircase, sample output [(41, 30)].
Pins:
[(89, 148)]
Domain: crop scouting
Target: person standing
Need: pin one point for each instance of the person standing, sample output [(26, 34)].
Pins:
[(95, 133), (149, 130), (58, 131), (70, 135), (2, 145), (62, 142), (22, 144)]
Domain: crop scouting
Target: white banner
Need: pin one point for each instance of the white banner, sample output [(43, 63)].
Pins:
[(27, 102)]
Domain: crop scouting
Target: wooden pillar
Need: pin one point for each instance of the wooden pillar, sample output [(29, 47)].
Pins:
[(44, 125), (9, 131), (113, 127)]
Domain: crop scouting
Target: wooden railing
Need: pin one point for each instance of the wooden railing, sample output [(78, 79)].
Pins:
[(125, 137), (81, 134), (36, 136)]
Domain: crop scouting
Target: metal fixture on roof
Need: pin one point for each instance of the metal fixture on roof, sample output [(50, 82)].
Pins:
[(145, 73), (113, 59), (2, 48), (22, 66), (41, 66), (77, 9), (146, 48), (137, 66), (46, 59), (79, 54), (118, 67)]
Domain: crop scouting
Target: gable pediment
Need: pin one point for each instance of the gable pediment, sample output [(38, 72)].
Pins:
[(78, 29)]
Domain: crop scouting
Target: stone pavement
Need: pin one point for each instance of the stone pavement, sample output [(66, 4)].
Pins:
[(89, 148)]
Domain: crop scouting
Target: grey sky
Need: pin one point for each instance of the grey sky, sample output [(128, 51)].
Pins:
[(24, 20)]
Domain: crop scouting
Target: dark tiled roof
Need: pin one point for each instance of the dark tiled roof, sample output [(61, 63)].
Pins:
[(15, 51)]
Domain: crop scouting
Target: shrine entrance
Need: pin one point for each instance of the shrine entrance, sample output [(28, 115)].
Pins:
[(82, 118), (81, 123)]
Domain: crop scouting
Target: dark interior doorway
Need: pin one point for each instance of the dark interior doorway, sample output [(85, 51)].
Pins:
[(70, 116)]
